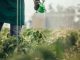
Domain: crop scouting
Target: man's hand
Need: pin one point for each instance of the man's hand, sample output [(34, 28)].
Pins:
[(36, 4)]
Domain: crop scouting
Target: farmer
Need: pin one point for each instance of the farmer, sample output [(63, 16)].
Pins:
[(12, 11)]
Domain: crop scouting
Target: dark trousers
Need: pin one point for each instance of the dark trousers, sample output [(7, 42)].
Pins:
[(14, 29)]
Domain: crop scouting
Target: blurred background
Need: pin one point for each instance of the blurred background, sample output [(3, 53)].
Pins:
[(59, 14)]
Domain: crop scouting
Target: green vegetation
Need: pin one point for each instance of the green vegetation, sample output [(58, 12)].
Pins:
[(40, 45)]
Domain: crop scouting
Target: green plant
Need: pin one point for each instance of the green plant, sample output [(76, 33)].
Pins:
[(40, 45)]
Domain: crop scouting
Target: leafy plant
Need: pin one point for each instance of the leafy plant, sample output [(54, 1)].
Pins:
[(40, 45)]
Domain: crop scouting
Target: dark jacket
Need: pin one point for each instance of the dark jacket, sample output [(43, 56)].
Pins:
[(12, 11)]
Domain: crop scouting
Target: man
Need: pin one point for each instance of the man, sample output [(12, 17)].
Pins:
[(12, 11)]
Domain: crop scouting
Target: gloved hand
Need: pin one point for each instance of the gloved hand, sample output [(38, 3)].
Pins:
[(39, 6)]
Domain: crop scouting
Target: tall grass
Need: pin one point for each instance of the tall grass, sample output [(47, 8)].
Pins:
[(40, 45)]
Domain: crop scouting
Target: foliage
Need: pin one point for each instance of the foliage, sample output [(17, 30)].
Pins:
[(35, 44)]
